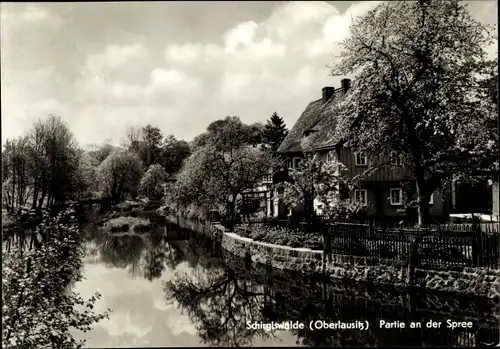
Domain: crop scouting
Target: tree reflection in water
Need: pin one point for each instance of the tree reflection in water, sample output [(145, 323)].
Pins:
[(220, 305), (220, 301), (146, 255), (222, 293), (159, 254), (121, 250)]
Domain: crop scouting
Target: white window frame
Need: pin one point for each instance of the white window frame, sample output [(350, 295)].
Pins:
[(356, 191), (431, 199), (396, 159), (400, 190), (289, 164), (294, 161), (361, 155)]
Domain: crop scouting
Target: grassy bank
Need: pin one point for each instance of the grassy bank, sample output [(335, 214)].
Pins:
[(281, 236), (126, 224)]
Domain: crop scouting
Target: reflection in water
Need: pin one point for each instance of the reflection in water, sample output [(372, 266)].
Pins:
[(178, 293), (220, 305), (121, 250), (257, 294)]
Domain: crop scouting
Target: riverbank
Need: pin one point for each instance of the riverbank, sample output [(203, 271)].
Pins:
[(308, 297), (463, 280), (473, 281)]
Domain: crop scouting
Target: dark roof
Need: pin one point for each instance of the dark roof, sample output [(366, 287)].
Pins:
[(319, 118)]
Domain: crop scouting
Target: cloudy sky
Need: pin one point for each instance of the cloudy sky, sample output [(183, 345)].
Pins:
[(104, 67)]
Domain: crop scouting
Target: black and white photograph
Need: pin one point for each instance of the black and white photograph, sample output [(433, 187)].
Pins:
[(250, 174)]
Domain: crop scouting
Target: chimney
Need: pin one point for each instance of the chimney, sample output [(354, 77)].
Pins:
[(345, 84), (327, 93)]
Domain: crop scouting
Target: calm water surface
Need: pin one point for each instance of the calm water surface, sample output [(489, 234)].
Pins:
[(188, 293)]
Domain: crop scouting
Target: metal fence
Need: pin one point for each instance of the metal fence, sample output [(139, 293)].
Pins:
[(443, 245), (467, 244), (440, 245)]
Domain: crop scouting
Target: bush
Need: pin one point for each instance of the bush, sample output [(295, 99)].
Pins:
[(126, 224), (36, 310), (281, 236)]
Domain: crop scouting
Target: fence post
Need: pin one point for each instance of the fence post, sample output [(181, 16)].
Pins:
[(412, 257), (327, 245), (327, 239), (477, 260)]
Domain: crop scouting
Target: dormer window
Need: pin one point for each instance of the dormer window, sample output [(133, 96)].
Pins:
[(307, 133), (396, 159), (330, 157), (296, 162), (361, 159), (293, 162)]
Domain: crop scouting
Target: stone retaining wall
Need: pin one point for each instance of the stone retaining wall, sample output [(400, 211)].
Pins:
[(471, 281)]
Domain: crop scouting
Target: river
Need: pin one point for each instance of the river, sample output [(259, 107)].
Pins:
[(189, 293)]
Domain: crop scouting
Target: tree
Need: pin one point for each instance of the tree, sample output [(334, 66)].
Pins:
[(314, 179), (256, 132), (16, 185), (222, 167), (229, 133), (212, 179), (89, 172), (275, 132), (101, 152), (174, 152), (42, 165), (152, 182), (199, 141), (150, 146), (132, 139), (120, 174), (38, 311), (417, 66)]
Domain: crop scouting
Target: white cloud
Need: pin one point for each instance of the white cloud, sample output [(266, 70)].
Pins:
[(234, 84), (114, 57), (187, 53), (300, 12), (164, 77), (241, 35), (254, 68), (173, 83)]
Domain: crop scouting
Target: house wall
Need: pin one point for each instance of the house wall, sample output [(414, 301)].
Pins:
[(379, 202), (496, 202), (387, 173), (378, 187)]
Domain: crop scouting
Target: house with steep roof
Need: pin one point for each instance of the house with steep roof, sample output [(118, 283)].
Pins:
[(382, 190)]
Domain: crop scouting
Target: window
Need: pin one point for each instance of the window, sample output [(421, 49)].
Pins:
[(361, 159), (431, 199), (396, 159), (289, 163), (296, 162), (330, 157), (396, 196), (360, 195)]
